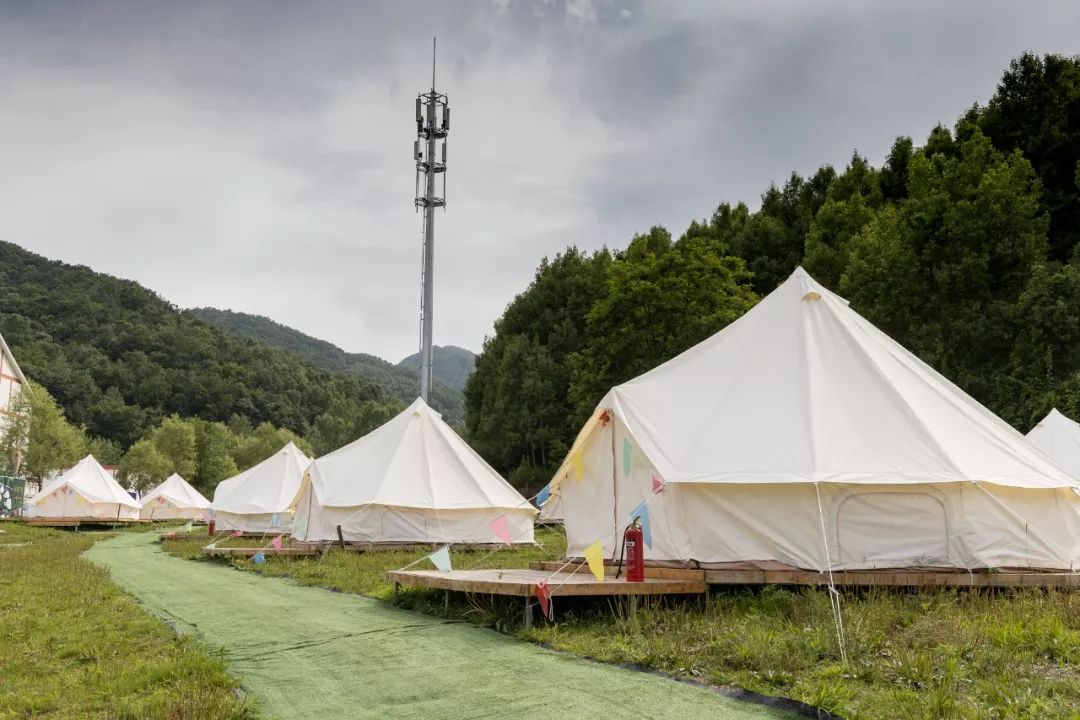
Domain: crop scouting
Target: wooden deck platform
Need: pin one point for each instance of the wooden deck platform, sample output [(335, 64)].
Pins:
[(859, 578), (294, 550), (522, 582), (77, 521)]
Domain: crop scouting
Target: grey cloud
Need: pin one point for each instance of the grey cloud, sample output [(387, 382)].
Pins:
[(256, 155)]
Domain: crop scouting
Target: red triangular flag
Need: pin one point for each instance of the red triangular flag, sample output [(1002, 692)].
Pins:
[(238, 533), (544, 598), (276, 542), (657, 483)]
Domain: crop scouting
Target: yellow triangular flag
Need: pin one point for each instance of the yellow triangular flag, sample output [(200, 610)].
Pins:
[(579, 472), (594, 555)]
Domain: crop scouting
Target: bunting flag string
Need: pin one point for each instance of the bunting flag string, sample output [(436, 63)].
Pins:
[(501, 527), (579, 470), (543, 596), (657, 484), (594, 556), (258, 558), (543, 496), (441, 559), (276, 542), (641, 513)]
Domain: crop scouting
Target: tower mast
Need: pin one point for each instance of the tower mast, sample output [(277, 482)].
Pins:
[(432, 126)]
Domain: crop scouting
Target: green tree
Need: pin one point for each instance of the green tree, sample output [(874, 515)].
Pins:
[(1036, 110), (105, 451), (39, 436), (264, 441), (175, 440), (944, 272), (659, 302), (143, 466), (214, 445)]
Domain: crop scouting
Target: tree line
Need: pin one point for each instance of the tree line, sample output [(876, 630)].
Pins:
[(964, 249)]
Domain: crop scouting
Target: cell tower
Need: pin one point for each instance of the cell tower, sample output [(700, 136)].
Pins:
[(432, 126)]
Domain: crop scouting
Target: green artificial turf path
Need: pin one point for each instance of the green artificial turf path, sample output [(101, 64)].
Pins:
[(305, 652)]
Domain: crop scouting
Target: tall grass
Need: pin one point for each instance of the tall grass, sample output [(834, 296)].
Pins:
[(72, 645)]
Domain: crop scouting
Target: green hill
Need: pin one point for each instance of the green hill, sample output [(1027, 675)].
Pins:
[(118, 358), (452, 364)]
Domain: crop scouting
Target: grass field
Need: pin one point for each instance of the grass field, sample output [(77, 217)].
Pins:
[(72, 645), (930, 654)]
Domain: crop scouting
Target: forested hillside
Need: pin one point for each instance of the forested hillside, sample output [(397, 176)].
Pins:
[(399, 381), (453, 365), (119, 359), (966, 249)]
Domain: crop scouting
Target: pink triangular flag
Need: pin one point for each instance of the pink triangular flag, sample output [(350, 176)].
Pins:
[(544, 598), (238, 533), (501, 527), (276, 542), (657, 483)]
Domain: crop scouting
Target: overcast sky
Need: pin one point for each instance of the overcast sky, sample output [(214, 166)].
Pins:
[(257, 155)]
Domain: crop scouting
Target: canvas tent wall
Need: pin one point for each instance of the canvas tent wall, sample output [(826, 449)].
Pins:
[(257, 500), (410, 480), (803, 436), (1059, 437), (551, 512), (174, 499), (87, 490)]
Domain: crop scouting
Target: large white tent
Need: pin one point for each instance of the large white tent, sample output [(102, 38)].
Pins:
[(1059, 437), (410, 480), (803, 436), (257, 500), (86, 491), (174, 499)]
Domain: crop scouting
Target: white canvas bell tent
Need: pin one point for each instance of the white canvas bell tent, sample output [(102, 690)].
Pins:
[(803, 436), (257, 500), (551, 512), (411, 480), (86, 491), (1059, 437), (174, 499)]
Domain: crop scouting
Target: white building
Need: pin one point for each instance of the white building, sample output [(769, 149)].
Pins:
[(11, 383)]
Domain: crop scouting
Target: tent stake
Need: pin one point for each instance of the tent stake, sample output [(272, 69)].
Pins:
[(340, 537)]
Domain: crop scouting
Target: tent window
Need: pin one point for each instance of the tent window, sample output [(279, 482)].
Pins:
[(892, 529)]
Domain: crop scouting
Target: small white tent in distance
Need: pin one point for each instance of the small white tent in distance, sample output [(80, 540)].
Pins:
[(802, 436), (257, 500), (411, 480), (1059, 437), (87, 492), (174, 499)]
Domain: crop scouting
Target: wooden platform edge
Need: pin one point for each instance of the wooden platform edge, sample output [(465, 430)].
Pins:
[(521, 588), (288, 551), (72, 522), (660, 573)]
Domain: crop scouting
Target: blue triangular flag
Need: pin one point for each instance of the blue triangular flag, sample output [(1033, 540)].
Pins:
[(543, 496), (642, 512), (258, 558), (441, 559), (275, 520)]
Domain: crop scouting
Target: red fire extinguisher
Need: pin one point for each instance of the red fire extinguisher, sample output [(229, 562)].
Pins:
[(634, 551)]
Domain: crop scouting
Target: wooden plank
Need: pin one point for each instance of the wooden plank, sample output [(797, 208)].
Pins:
[(523, 582), (71, 521), (298, 550), (664, 573)]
